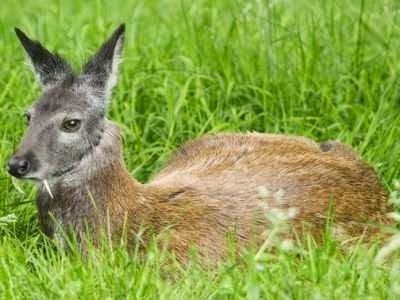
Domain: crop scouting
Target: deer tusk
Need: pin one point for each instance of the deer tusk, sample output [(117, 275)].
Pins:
[(47, 186)]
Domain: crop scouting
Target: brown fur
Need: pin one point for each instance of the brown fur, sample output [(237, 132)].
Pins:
[(221, 184)]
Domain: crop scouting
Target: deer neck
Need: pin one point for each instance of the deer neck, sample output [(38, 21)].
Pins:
[(99, 192)]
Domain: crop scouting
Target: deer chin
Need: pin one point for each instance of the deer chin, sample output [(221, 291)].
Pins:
[(41, 177), (34, 178)]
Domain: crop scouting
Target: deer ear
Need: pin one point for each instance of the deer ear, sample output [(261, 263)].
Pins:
[(50, 68), (102, 69)]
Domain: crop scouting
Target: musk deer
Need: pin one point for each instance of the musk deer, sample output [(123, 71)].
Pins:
[(212, 187)]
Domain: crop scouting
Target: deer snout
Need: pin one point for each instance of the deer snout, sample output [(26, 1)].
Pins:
[(18, 166), (21, 165)]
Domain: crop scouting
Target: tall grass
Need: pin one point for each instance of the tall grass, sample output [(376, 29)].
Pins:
[(321, 69)]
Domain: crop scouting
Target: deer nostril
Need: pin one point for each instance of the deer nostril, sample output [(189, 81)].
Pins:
[(24, 167), (19, 167)]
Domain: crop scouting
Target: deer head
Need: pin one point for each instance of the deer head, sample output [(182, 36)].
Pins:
[(67, 122)]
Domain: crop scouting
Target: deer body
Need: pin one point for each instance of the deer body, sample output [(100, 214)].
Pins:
[(219, 185), (212, 187)]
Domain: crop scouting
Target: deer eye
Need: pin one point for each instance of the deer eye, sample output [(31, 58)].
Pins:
[(27, 117), (70, 125)]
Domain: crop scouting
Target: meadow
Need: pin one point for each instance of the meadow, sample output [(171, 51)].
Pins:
[(321, 69)]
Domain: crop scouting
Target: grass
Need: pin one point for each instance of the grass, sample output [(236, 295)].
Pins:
[(321, 69)]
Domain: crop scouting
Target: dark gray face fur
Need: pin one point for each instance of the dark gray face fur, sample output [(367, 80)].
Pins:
[(52, 147)]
